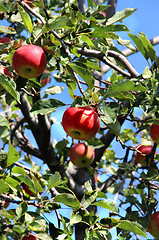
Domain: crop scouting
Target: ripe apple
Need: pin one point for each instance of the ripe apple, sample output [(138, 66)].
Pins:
[(153, 225), (29, 61), (154, 133), (81, 155), (30, 237), (81, 123), (144, 149), (5, 40)]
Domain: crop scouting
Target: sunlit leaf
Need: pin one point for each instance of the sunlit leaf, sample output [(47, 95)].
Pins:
[(45, 106), (68, 199), (105, 204), (13, 155), (119, 16), (26, 19), (8, 30), (132, 227)]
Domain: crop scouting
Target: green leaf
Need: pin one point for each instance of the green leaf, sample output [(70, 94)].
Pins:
[(105, 204), (54, 90), (21, 209), (147, 73), (139, 45), (4, 187), (27, 180), (110, 222), (148, 47), (75, 217), (87, 40), (119, 16), (9, 86), (45, 106), (127, 44), (26, 19), (54, 180), (13, 155), (132, 227), (114, 127), (3, 121), (19, 228), (8, 30), (102, 30), (84, 73), (89, 198), (12, 183), (57, 23), (111, 112), (68, 199), (3, 237), (54, 231)]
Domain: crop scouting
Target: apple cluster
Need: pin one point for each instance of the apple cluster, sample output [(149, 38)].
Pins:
[(81, 123)]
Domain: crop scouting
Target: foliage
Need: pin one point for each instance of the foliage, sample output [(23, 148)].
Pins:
[(78, 46)]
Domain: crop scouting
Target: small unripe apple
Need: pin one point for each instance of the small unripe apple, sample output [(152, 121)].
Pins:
[(30, 237), (146, 150), (153, 225), (80, 123), (154, 133), (81, 155), (29, 61), (5, 40)]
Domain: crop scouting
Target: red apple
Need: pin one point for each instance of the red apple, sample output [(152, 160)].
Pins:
[(5, 71), (30, 237), (29, 61), (146, 150), (81, 123), (153, 225), (81, 155), (154, 133), (45, 80), (5, 40)]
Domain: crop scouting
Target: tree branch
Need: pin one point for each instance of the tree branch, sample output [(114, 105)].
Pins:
[(127, 52)]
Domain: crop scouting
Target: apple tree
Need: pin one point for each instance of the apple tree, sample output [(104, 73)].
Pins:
[(116, 192)]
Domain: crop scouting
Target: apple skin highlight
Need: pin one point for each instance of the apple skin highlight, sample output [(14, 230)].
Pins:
[(153, 225), (81, 155), (81, 123), (29, 61)]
